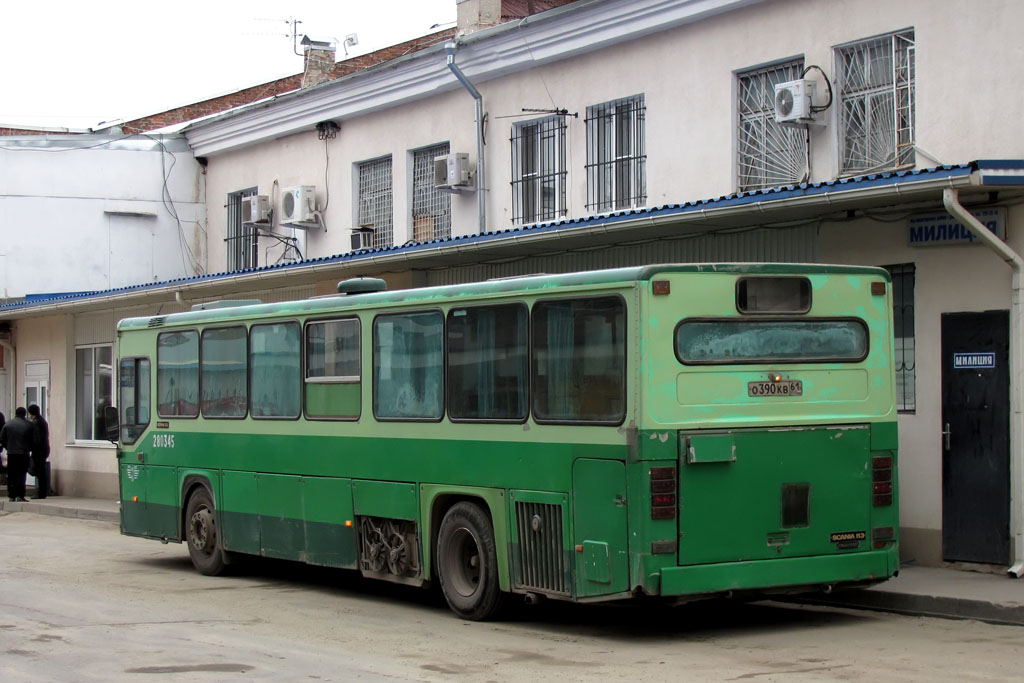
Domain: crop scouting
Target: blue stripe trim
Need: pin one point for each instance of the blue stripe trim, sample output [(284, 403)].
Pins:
[(753, 198)]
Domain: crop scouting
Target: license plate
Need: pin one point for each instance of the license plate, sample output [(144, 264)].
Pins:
[(789, 387)]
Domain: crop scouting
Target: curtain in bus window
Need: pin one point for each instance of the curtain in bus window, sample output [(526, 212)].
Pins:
[(408, 354), (579, 368), (487, 363), (224, 371), (274, 376), (177, 374)]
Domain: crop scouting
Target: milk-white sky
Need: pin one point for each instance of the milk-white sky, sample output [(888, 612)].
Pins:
[(75, 65)]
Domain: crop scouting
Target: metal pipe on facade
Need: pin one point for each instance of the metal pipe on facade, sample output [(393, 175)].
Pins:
[(1013, 259), (12, 376), (481, 202)]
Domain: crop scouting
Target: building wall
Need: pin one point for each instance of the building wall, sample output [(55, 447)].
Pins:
[(949, 279), (87, 212), (687, 75)]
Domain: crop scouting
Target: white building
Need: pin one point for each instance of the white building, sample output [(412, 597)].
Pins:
[(87, 213), (629, 131)]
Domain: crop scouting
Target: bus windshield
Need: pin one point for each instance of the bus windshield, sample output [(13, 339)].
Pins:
[(757, 341)]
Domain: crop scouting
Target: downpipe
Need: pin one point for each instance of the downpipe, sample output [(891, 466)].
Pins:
[(481, 205), (952, 203)]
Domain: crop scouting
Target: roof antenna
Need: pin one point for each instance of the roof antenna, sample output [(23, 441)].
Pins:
[(295, 35)]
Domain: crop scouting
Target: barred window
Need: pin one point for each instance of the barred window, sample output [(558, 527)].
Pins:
[(876, 103), (375, 200), (616, 155), (903, 328), (241, 239), (431, 208), (538, 170), (770, 154)]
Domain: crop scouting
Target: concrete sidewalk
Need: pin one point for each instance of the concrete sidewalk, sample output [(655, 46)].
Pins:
[(922, 591)]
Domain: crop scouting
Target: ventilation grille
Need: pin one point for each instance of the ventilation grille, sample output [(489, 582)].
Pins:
[(542, 562), (157, 321)]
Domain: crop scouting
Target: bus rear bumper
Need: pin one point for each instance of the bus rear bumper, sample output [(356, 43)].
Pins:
[(810, 572)]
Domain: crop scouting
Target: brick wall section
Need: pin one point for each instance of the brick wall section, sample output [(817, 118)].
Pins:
[(21, 131), (223, 103)]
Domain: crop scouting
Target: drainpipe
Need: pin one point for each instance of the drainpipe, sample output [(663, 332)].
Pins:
[(12, 373), (1013, 259), (451, 48)]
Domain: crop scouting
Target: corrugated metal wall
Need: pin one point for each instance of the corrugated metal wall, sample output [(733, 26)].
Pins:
[(791, 245)]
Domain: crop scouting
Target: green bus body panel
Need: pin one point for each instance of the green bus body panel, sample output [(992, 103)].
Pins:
[(333, 400), (386, 499), (431, 517), (155, 513), (796, 571), (282, 532), (600, 527), (239, 510), (732, 510)]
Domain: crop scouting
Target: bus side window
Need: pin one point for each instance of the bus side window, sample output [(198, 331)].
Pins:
[(274, 376), (333, 382), (579, 360), (408, 366)]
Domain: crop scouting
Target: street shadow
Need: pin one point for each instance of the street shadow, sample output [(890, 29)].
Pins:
[(640, 620)]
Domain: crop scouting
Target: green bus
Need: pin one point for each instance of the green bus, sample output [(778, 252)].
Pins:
[(682, 431)]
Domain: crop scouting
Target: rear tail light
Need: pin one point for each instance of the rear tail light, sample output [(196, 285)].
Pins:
[(881, 477), (883, 536), (663, 492)]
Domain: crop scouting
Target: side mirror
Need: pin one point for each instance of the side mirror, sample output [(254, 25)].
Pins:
[(111, 423)]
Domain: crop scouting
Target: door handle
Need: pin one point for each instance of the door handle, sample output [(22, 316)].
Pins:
[(946, 436)]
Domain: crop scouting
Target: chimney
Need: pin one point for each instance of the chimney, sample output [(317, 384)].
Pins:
[(318, 61), (474, 15)]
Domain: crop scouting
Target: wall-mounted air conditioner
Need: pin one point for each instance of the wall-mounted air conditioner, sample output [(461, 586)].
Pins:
[(793, 101), (256, 209), (451, 171), (362, 238), (298, 204)]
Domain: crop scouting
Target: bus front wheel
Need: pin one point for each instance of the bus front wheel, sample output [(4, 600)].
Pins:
[(202, 534), (467, 563)]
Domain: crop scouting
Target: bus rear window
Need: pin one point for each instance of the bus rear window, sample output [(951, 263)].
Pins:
[(771, 341), (773, 295)]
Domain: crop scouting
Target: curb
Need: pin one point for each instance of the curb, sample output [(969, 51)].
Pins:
[(59, 511), (922, 606)]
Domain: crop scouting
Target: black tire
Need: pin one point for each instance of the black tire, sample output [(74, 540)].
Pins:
[(202, 535), (467, 563)]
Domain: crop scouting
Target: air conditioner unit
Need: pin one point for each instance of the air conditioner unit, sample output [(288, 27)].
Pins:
[(298, 204), (793, 101), (255, 209), (451, 171), (362, 238)]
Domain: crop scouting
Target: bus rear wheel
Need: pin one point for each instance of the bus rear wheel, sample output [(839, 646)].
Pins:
[(202, 535), (467, 563)]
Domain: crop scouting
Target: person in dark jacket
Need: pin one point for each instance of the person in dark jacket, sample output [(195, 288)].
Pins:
[(3, 467), (17, 436), (40, 451)]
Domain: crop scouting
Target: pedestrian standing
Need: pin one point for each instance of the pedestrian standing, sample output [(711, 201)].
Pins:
[(17, 437), (40, 451)]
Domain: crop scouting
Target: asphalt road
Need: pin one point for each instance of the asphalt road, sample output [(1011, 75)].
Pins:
[(80, 602)]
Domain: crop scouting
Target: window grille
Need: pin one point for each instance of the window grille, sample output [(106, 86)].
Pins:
[(242, 240), (375, 200), (431, 208), (770, 154), (903, 319), (616, 155), (876, 103), (538, 170)]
